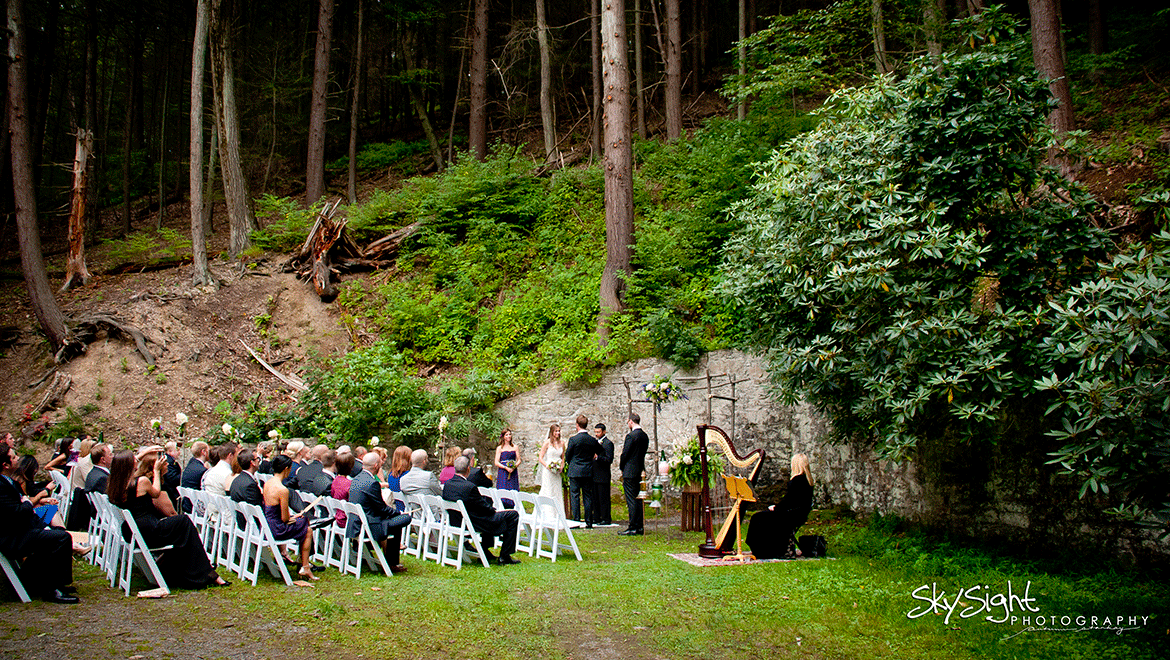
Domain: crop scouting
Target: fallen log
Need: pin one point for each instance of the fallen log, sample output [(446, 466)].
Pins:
[(292, 381), (387, 246)]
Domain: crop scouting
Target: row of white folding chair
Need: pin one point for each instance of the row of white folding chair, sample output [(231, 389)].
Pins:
[(115, 554), (425, 529), (526, 529), (334, 547), (451, 536), (238, 547)]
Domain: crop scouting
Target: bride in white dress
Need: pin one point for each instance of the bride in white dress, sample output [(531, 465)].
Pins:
[(551, 453)]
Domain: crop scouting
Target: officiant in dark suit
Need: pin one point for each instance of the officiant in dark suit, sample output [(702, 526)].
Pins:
[(632, 464), (580, 451)]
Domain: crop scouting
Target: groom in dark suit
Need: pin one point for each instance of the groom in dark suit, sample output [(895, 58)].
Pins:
[(632, 464), (579, 454)]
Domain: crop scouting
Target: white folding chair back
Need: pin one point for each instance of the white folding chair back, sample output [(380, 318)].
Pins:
[(431, 538), (64, 490), (14, 578), (550, 524), (352, 559), (331, 538), (413, 533), (527, 527), (260, 547), (456, 534), (139, 553), (111, 549)]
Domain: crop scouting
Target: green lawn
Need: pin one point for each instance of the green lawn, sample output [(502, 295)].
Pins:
[(629, 599)]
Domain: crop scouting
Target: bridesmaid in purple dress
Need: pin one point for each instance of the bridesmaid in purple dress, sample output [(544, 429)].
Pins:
[(507, 464)]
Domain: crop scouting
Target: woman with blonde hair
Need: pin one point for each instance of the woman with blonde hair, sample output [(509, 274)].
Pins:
[(772, 532), (449, 457)]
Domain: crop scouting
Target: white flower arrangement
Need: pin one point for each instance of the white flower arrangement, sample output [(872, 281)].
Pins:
[(274, 435), (662, 390), (442, 423), (374, 441), (180, 419), (226, 428)]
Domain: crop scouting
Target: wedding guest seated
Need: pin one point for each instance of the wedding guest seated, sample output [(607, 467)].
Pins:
[(399, 465), (193, 474), (772, 532), (449, 457), (84, 464), (215, 480), (64, 453), (136, 485), (264, 457), (359, 452), (101, 455), (484, 517), (419, 479), (299, 453), (322, 484), (46, 561), (385, 522), (284, 524), (39, 495), (477, 476), (339, 489), (245, 487), (174, 472)]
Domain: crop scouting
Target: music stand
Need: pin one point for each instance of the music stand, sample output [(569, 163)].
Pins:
[(741, 490)]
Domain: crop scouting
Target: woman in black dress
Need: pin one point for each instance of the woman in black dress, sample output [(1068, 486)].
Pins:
[(771, 531), (140, 492)]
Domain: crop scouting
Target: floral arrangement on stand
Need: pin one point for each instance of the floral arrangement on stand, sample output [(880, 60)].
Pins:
[(660, 390), (686, 468)]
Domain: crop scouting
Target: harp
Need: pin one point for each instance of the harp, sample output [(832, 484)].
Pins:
[(718, 441)]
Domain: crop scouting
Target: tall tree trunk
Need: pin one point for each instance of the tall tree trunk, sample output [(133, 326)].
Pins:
[(235, 185), (617, 164), (1097, 34), (477, 122), (595, 132), (93, 216), (741, 55), (879, 39), (128, 126), (414, 81), (1049, 59), (639, 83), (934, 19), (76, 274), (315, 163), (355, 107), (696, 47), (200, 271), (162, 151), (32, 262), (548, 118), (672, 59), (212, 162)]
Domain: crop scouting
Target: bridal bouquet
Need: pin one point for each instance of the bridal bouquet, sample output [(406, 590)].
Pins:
[(555, 467)]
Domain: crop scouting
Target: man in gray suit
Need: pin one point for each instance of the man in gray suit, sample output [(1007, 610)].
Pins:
[(419, 479)]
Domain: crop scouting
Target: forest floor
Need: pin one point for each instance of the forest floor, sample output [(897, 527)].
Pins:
[(197, 336)]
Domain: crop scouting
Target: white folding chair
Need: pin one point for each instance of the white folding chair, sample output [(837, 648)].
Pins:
[(14, 578), (412, 507), (260, 547), (455, 534), (64, 491), (431, 535), (328, 547), (137, 552), (550, 521), (352, 558), (112, 549), (527, 528)]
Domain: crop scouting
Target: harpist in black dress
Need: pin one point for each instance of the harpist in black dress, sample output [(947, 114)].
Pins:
[(770, 531), (184, 566)]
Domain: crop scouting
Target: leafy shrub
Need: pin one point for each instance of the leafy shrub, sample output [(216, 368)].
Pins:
[(286, 223)]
